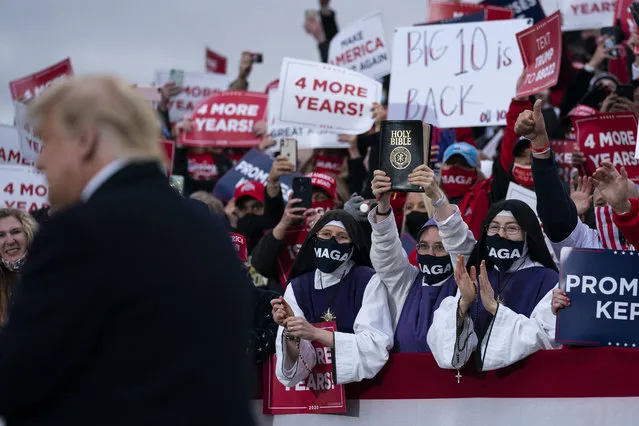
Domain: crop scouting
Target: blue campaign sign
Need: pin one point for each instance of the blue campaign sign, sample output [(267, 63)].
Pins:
[(603, 288), (255, 166), (471, 17), (521, 8)]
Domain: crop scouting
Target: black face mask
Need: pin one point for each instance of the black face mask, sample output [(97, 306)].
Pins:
[(415, 221), (251, 225), (503, 252), (330, 255), (435, 268)]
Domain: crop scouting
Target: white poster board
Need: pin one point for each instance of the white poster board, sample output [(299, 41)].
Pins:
[(326, 97), (23, 188), (30, 143), (10, 152), (307, 138), (197, 86), (362, 47), (518, 192), (586, 15), (455, 75)]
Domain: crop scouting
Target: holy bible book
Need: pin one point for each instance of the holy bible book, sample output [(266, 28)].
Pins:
[(403, 145)]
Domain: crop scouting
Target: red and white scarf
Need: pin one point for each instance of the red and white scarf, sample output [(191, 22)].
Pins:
[(609, 234)]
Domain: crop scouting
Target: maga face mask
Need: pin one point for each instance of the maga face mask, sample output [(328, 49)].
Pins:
[(456, 181), (330, 255), (503, 252), (523, 175), (435, 268)]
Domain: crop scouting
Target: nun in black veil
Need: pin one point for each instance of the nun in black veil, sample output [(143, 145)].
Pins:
[(332, 281), (503, 301)]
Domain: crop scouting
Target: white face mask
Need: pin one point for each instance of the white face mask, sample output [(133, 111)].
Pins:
[(16, 265)]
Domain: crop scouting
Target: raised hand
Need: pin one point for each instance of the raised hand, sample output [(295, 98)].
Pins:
[(531, 125), (292, 214), (578, 158), (601, 53), (559, 301), (381, 185), (424, 177), (168, 91), (281, 166), (613, 186), (466, 283), (581, 195)]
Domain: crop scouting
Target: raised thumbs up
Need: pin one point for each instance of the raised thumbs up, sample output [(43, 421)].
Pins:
[(531, 125)]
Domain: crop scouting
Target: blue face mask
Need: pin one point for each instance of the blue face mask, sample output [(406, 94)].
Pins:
[(330, 255)]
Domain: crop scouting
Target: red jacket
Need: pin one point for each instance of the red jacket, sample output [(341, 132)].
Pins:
[(474, 206), (628, 223)]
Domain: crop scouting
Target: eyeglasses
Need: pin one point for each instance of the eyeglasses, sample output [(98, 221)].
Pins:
[(423, 248), (509, 228), (341, 238)]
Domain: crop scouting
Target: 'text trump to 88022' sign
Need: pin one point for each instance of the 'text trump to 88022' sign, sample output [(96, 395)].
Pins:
[(455, 75)]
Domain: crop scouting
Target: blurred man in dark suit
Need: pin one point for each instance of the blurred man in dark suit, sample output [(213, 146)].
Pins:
[(132, 308)]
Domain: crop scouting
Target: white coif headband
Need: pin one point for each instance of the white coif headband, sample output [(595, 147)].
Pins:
[(336, 223), (505, 213)]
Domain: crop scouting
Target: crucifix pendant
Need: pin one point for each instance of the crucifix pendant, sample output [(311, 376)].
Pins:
[(459, 376), (329, 315)]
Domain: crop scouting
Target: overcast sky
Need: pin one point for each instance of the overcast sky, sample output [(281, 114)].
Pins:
[(134, 37)]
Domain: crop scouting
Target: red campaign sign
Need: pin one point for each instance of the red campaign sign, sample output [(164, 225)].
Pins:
[(562, 150), (31, 86), (215, 63), (169, 151), (317, 394), (227, 120), (540, 48), (438, 11), (239, 243), (609, 137), (624, 17)]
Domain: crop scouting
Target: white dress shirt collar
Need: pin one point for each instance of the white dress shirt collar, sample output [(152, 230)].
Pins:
[(324, 280), (102, 176)]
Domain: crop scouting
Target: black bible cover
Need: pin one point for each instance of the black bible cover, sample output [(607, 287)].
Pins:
[(403, 145)]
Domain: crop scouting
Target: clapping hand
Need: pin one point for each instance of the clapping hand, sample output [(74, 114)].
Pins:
[(486, 290), (466, 283)]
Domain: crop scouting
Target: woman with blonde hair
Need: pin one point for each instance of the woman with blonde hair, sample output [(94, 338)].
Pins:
[(17, 229)]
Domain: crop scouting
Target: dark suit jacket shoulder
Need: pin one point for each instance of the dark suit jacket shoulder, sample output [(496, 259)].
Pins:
[(131, 310)]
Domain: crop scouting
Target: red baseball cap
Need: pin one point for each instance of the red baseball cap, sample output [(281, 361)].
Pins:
[(324, 182), (239, 243), (251, 189)]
